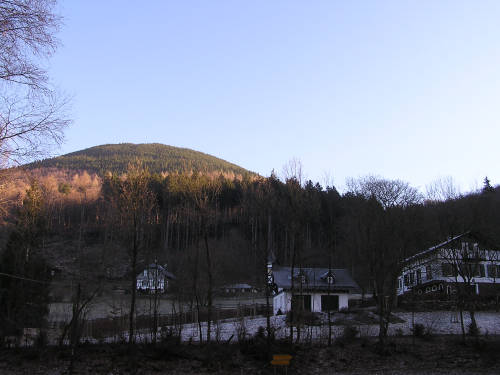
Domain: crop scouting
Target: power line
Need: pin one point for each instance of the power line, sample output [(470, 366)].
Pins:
[(23, 278)]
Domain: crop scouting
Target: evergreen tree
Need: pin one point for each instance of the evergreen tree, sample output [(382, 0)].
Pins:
[(487, 188)]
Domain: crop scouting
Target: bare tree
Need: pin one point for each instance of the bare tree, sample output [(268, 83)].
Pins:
[(293, 170), (464, 264), (137, 203), (389, 193), (32, 114), (442, 189), (383, 232)]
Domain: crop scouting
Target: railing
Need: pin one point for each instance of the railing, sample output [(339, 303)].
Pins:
[(115, 326)]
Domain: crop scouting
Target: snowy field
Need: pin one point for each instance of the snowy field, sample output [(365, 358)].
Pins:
[(437, 322)]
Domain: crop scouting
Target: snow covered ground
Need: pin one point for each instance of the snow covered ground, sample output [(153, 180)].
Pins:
[(436, 322)]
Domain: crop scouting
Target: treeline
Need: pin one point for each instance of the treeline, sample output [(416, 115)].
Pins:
[(302, 222)]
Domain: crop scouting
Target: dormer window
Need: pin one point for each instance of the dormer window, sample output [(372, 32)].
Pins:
[(329, 277)]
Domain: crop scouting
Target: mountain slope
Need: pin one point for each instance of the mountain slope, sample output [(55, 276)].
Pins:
[(157, 157)]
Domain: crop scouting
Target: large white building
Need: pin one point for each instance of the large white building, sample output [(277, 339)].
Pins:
[(314, 289), (461, 260)]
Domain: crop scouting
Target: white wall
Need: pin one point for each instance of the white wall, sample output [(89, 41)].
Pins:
[(283, 301)]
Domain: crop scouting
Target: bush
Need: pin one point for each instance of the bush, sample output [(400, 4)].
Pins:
[(473, 329), (307, 318), (41, 340), (348, 335), (241, 330), (418, 330)]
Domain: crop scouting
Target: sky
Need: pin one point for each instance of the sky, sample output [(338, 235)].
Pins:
[(406, 90)]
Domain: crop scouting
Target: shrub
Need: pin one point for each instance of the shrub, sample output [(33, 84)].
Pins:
[(241, 330), (418, 330), (303, 317), (41, 340), (261, 332), (473, 329), (348, 335)]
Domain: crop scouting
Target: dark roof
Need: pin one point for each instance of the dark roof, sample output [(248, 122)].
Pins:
[(431, 249), (237, 286), (161, 271), (476, 236), (315, 278)]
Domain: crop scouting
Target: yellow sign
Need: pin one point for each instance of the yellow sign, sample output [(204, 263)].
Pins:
[(281, 359)]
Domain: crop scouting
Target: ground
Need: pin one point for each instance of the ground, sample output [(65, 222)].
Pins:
[(402, 355)]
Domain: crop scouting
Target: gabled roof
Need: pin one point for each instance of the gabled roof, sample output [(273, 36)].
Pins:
[(473, 235), (315, 278), (161, 271), (431, 249)]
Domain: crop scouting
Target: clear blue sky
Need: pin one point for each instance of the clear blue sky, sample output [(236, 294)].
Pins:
[(402, 89)]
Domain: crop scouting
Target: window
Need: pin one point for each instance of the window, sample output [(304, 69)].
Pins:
[(471, 269), (448, 269), (302, 279), (407, 280), (329, 279), (419, 276), (493, 271), (479, 270), (412, 278), (428, 272)]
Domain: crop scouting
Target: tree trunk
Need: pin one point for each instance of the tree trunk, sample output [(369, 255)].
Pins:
[(133, 286), (209, 291)]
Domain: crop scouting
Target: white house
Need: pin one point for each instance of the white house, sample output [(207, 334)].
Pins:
[(315, 289), (154, 278), (460, 260)]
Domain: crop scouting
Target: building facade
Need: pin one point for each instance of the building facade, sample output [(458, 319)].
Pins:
[(310, 289), (154, 278), (463, 261)]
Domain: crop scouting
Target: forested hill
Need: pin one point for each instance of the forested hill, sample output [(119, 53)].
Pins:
[(156, 157)]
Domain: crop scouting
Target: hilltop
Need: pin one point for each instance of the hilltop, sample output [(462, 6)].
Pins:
[(158, 158)]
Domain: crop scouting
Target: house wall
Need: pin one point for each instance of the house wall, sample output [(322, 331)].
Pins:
[(151, 283), (434, 263), (283, 301)]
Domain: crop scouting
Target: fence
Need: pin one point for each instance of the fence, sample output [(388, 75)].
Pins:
[(118, 326)]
